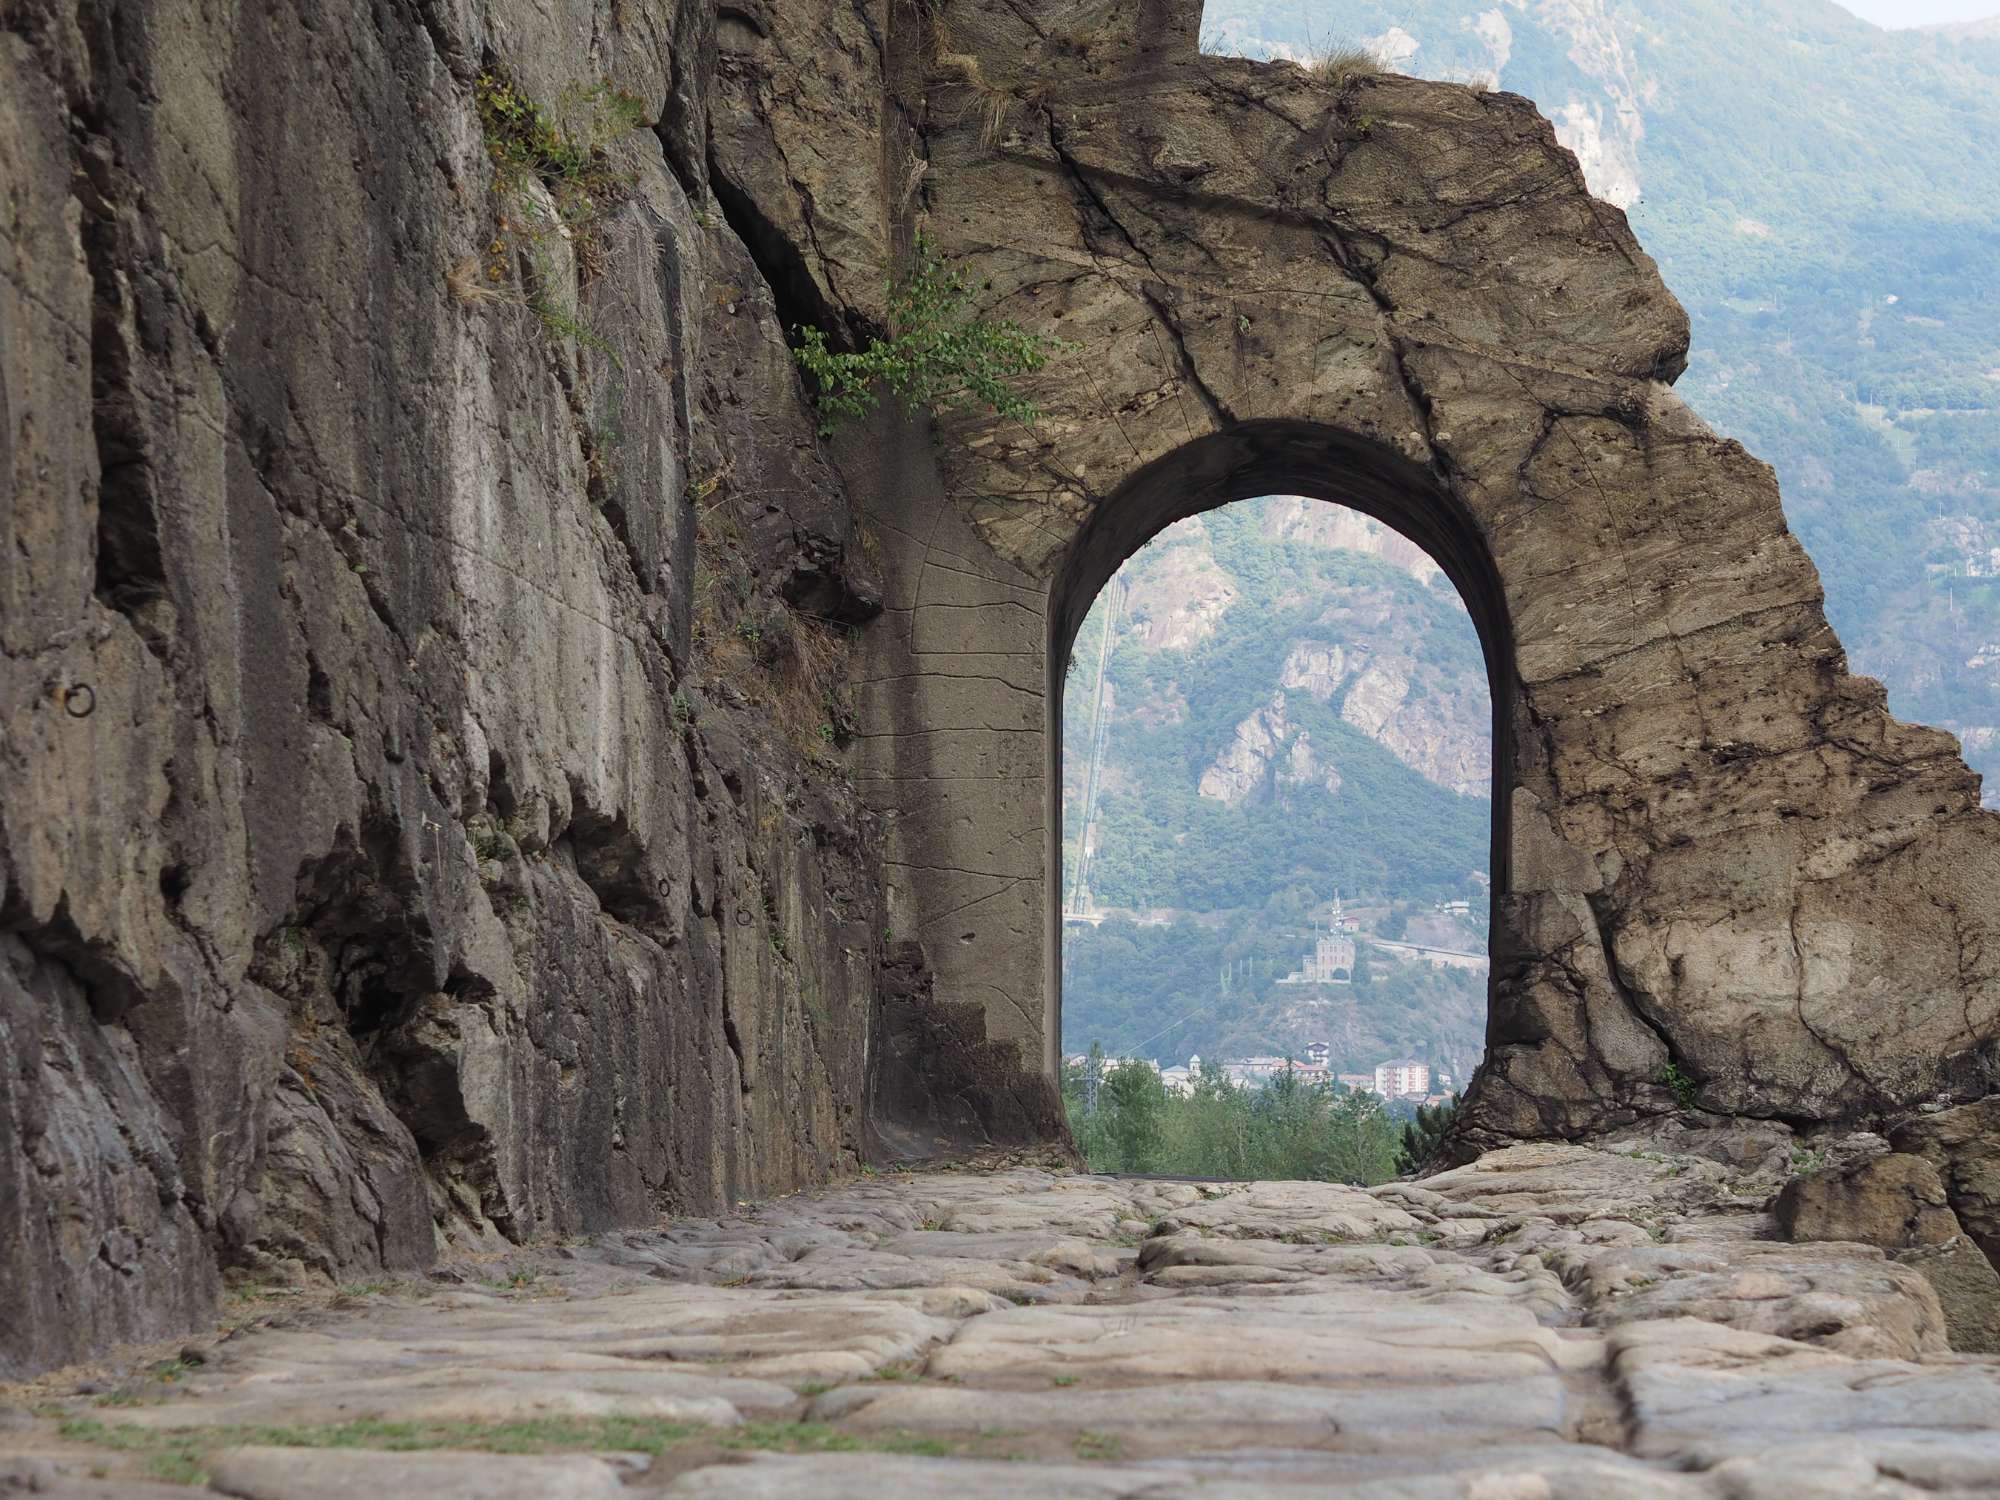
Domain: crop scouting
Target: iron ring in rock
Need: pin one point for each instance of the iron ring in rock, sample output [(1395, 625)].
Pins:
[(79, 700)]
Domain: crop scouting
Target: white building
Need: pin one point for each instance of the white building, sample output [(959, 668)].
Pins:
[(1402, 1076)]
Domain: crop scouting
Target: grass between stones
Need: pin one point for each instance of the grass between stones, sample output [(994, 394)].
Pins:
[(182, 1456)]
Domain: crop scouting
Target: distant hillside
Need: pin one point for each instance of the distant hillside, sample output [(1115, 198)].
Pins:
[(1967, 31), (1273, 703), (1822, 195)]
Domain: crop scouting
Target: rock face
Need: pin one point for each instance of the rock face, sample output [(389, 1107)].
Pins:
[(1898, 1202), (422, 645), (1552, 1321), (1244, 767), (420, 623), (1964, 1145), (1895, 1201)]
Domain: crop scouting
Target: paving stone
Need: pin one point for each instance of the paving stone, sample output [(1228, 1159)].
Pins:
[(1550, 1322), (872, 1477), (1701, 1393), (352, 1474), (1316, 1336), (70, 1480), (1848, 1297), (1202, 1416)]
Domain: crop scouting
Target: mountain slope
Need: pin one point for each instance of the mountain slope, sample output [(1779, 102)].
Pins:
[(1292, 704)]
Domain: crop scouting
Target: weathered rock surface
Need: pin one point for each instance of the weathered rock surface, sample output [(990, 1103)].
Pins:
[(1895, 1201), (384, 862), (427, 820), (1898, 1202), (1022, 1334), (1715, 849), (1964, 1145)]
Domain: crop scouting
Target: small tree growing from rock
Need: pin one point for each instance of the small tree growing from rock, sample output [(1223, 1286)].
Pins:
[(939, 353)]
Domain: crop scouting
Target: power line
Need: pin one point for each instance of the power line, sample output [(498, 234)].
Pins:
[(1165, 1029)]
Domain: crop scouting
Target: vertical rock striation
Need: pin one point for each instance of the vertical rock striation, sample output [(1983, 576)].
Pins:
[(404, 839)]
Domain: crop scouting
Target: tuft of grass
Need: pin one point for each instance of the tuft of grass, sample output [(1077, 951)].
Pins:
[(811, 678), (1098, 1446), (988, 99), (469, 285), (1339, 64), (564, 148), (182, 1455)]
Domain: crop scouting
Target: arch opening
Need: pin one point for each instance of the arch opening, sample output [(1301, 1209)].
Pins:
[(1242, 464)]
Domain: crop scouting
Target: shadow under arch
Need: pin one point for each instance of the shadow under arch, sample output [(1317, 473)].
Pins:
[(1240, 463)]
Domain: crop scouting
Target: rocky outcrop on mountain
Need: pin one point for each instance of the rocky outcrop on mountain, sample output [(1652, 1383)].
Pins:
[(1174, 602), (1297, 519), (1373, 703), (1244, 767), (1430, 734), (1373, 699), (1314, 667), (1305, 766), (1603, 130), (1441, 732)]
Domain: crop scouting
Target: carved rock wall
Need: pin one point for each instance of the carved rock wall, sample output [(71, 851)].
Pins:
[(431, 865)]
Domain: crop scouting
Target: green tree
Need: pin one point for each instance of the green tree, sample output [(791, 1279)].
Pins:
[(1138, 1106), (1422, 1135), (1360, 1140), (1208, 1132)]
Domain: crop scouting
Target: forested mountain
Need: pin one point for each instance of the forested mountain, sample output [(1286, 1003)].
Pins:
[(1293, 701), (1822, 195), (1272, 704)]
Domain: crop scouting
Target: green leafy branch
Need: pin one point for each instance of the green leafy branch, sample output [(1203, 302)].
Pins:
[(939, 354), (1685, 1090)]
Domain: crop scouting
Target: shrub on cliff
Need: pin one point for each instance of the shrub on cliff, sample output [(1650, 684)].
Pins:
[(939, 353)]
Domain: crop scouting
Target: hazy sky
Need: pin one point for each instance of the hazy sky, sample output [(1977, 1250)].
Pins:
[(1921, 12)]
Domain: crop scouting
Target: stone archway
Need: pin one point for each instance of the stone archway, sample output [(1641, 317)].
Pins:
[(1727, 863), (1239, 463)]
